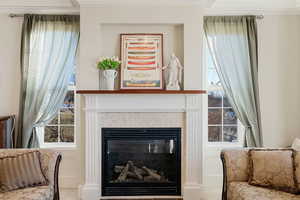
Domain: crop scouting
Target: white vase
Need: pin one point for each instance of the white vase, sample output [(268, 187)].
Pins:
[(109, 79)]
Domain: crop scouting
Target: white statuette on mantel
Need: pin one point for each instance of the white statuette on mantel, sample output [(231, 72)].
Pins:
[(173, 73)]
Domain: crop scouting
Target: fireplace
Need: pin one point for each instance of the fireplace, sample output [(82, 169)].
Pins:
[(141, 161)]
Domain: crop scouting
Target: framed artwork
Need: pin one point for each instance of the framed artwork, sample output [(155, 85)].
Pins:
[(142, 61)]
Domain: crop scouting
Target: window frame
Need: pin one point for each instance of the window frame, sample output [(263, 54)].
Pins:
[(240, 127), (41, 130)]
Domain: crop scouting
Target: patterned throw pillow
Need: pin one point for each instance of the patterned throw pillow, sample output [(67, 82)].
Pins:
[(273, 168), (20, 171)]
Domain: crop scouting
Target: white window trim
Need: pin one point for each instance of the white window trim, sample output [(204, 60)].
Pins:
[(240, 127), (60, 145), (55, 144)]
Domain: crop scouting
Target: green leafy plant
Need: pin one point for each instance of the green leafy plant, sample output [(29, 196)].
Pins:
[(107, 63)]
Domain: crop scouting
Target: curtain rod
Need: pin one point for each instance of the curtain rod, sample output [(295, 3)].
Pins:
[(12, 15), (257, 16), (15, 15)]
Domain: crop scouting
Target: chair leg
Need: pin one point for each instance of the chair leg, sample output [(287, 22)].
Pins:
[(56, 172)]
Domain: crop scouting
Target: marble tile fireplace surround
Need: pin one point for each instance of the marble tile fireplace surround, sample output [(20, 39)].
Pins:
[(143, 111)]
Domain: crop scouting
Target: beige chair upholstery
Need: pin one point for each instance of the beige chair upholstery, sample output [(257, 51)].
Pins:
[(244, 191), (50, 161), (235, 179), (31, 193)]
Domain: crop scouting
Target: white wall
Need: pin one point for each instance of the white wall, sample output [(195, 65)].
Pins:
[(10, 40), (279, 71)]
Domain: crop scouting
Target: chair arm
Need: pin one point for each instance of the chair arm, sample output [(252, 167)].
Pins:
[(56, 172), (50, 166), (235, 167)]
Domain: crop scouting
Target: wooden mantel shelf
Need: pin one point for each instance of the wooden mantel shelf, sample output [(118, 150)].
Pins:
[(140, 91)]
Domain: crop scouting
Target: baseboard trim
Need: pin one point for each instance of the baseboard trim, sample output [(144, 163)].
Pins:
[(89, 192)]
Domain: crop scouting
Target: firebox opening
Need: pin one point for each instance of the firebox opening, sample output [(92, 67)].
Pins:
[(141, 161)]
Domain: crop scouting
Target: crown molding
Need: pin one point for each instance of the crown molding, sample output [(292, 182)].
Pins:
[(211, 7), (39, 10), (138, 2), (36, 3), (219, 11), (38, 6)]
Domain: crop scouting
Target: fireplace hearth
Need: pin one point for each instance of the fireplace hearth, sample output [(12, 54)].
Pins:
[(141, 161)]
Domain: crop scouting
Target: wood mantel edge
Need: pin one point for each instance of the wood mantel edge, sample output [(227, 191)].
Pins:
[(141, 91)]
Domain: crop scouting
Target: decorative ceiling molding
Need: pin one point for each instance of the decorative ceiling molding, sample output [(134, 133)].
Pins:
[(265, 7), (212, 7), (214, 11), (139, 2), (255, 4), (36, 3), (39, 10), (38, 6)]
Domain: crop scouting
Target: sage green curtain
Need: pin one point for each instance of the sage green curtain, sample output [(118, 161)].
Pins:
[(48, 50), (232, 42)]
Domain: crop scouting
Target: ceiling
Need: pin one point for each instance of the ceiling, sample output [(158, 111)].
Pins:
[(254, 4), (286, 7), (211, 5), (38, 5)]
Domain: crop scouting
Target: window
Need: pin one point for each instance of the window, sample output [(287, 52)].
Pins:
[(223, 125), (61, 130)]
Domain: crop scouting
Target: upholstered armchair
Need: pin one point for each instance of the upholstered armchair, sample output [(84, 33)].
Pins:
[(236, 174), (50, 161)]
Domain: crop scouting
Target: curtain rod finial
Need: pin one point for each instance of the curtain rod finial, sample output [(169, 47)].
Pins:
[(12, 15)]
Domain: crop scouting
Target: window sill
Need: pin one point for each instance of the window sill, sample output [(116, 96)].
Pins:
[(63, 147), (224, 145)]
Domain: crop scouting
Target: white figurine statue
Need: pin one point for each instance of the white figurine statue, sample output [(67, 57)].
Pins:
[(174, 73)]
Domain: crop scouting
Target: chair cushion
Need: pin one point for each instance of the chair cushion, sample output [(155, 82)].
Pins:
[(20, 171), (273, 168), (31, 193), (244, 191)]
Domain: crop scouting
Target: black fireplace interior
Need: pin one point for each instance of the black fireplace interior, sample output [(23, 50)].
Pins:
[(141, 161)]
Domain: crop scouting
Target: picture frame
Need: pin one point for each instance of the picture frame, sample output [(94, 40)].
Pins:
[(142, 61)]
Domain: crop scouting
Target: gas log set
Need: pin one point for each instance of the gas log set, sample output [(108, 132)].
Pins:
[(131, 173)]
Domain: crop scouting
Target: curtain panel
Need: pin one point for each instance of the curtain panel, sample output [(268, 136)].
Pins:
[(48, 50), (232, 42)]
